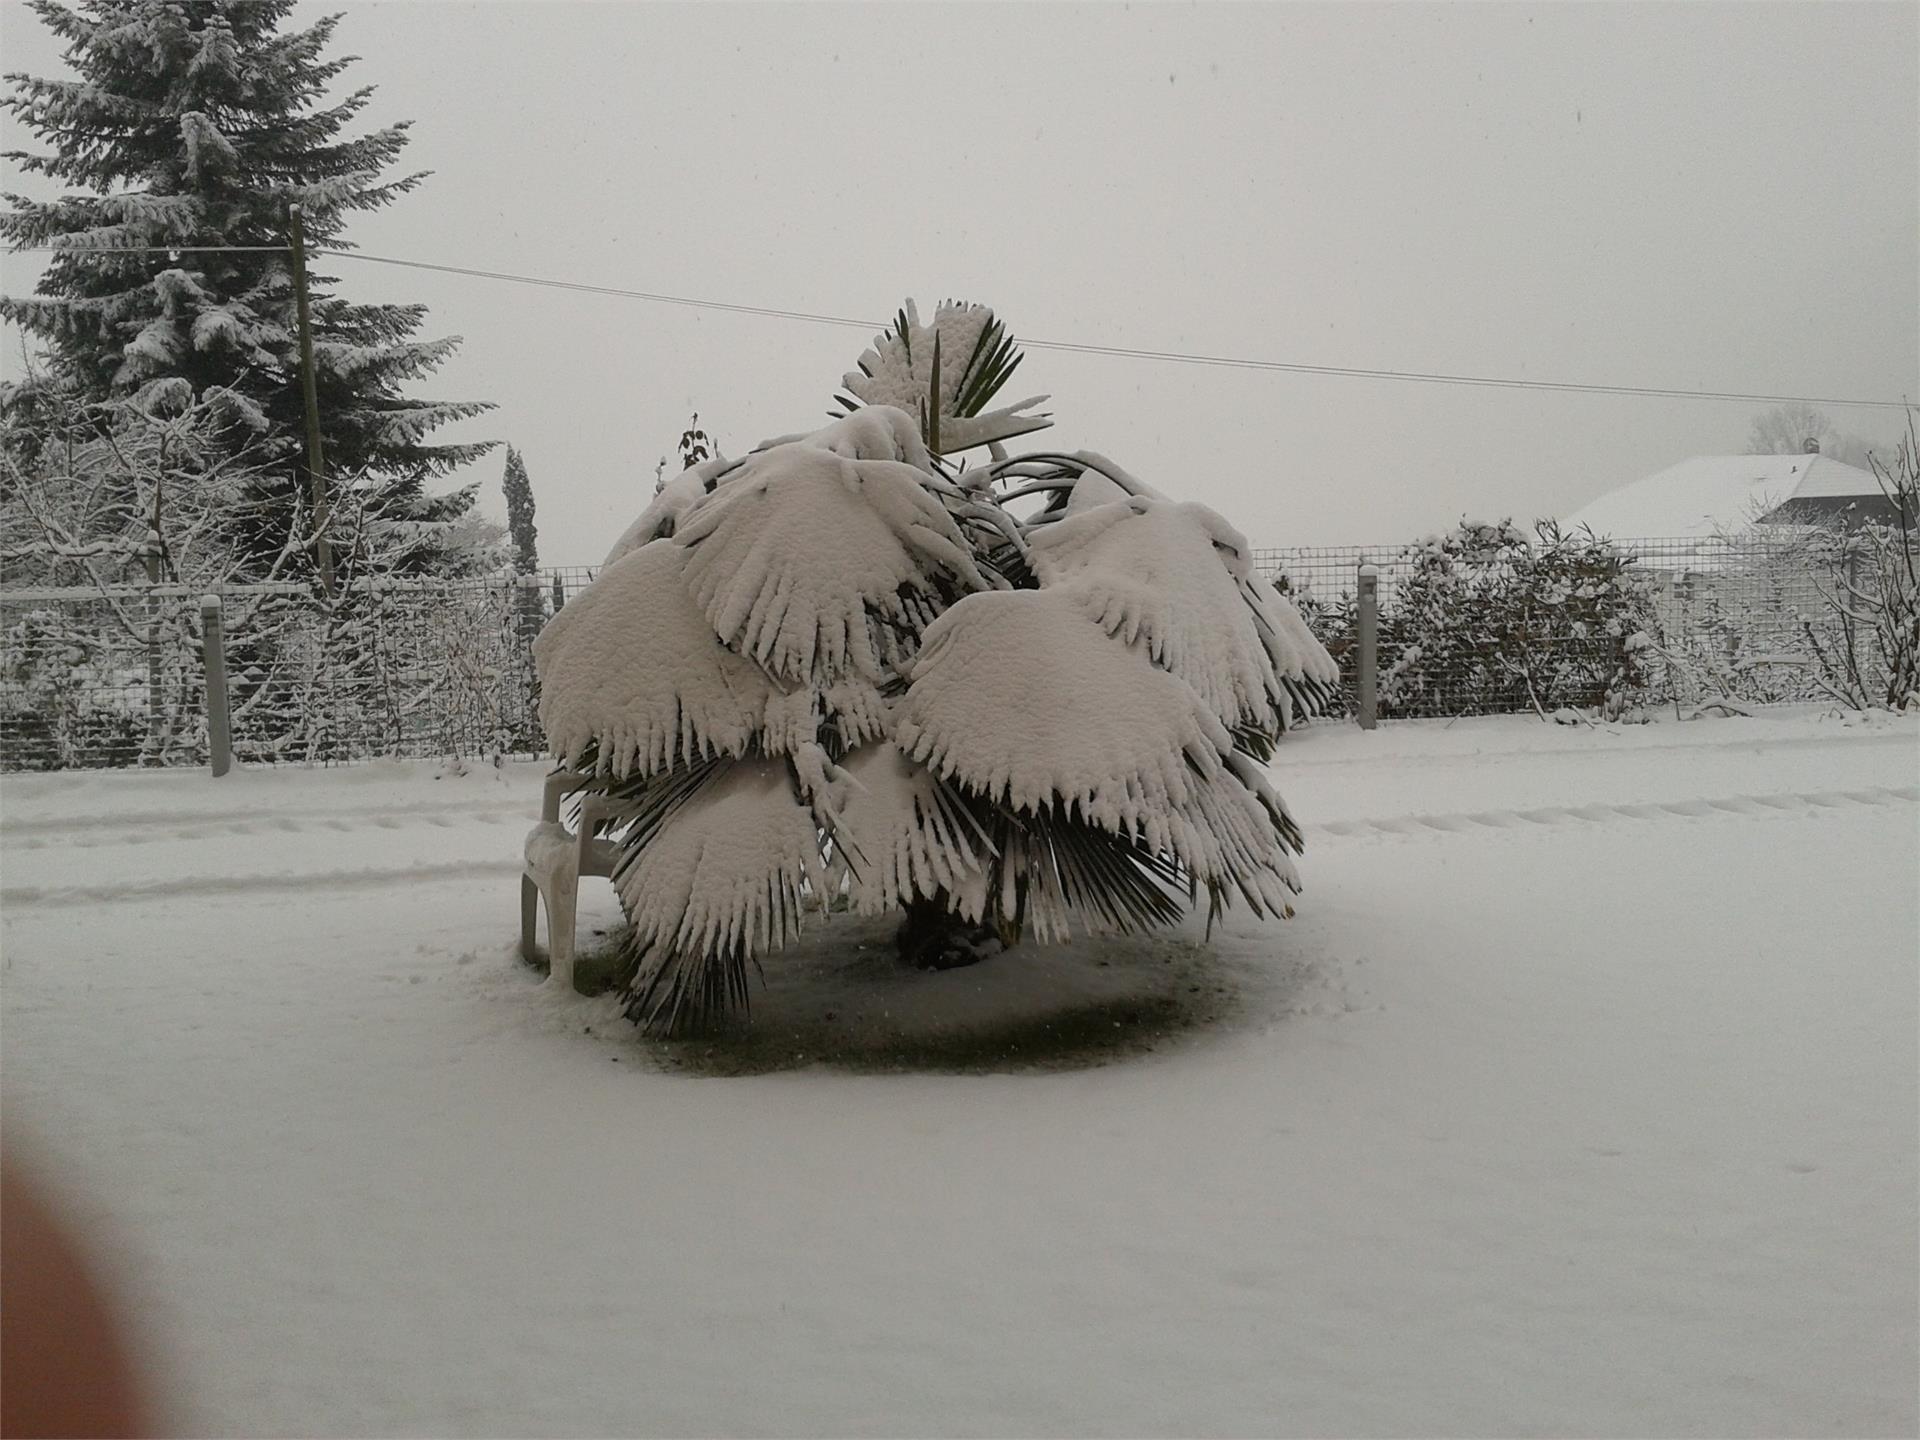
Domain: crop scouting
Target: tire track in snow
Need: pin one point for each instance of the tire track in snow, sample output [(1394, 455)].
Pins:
[(1468, 822), (260, 807), (1565, 817), (88, 832), (1305, 758), (285, 883)]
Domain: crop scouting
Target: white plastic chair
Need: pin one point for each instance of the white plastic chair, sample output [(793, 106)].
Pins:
[(555, 859)]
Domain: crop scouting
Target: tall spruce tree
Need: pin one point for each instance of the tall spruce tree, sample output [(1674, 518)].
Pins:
[(197, 123), (519, 490)]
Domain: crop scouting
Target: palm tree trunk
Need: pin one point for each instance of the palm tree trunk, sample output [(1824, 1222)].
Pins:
[(932, 937)]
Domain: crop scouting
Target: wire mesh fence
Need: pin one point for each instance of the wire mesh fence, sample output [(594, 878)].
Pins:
[(409, 668), (114, 675), (1757, 618)]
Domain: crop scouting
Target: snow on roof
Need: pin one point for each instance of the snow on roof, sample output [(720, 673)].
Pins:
[(1709, 494)]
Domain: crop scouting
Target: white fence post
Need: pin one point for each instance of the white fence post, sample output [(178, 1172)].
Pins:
[(213, 644), (1366, 680)]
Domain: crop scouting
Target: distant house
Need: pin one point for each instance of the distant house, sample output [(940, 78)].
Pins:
[(1725, 494)]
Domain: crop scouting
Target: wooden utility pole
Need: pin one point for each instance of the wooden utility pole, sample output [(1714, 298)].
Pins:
[(316, 465)]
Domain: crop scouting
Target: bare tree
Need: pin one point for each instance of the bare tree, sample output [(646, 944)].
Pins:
[(1793, 428), (1872, 654), (115, 517)]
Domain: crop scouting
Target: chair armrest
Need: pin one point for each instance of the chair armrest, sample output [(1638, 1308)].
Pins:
[(559, 784)]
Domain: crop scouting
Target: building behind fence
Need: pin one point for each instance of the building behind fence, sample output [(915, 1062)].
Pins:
[(115, 675)]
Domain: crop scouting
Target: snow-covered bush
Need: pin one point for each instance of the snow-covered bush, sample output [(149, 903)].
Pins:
[(1031, 695), (63, 702), (1731, 630), (1487, 619)]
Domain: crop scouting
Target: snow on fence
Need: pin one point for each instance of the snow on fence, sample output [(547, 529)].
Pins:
[(116, 676), (1740, 617)]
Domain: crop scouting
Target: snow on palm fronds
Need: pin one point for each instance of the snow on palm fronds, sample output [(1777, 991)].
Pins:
[(944, 375), (790, 560), (679, 495), (915, 841), (632, 669), (1001, 707), (1139, 563), (1168, 575), (721, 882), (829, 669)]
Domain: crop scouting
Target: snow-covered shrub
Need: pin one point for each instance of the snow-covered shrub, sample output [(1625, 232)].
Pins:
[(1487, 619), (1032, 695), (1731, 630), (63, 701)]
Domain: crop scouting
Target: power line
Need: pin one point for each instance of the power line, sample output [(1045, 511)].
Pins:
[(1169, 356), (1172, 357), (147, 250), (612, 290)]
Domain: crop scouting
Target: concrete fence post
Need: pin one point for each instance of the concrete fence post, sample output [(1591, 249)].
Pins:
[(213, 644), (1366, 680)]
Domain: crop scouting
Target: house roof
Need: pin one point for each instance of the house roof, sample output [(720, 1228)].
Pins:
[(1712, 494)]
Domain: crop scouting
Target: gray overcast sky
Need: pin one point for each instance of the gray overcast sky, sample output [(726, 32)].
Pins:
[(1702, 196)]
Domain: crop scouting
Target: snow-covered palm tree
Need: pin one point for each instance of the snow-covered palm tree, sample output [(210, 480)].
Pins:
[(1031, 695)]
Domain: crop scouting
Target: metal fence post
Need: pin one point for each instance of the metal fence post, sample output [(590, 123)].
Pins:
[(213, 643), (1367, 673)]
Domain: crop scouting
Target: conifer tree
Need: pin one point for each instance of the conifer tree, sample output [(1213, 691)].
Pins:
[(198, 123), (519, 490)]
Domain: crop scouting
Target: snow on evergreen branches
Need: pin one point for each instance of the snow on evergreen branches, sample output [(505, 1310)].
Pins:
[(198, 125)]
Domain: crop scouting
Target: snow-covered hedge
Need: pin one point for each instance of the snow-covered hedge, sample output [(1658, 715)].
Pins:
[(1489, 619)]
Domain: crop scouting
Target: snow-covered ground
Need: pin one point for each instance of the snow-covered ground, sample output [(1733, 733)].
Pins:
[(1579, 1098)]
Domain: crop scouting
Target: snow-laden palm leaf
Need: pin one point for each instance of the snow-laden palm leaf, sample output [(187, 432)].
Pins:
[(1139, 562), (724, 879), (945, 374), (1166, 576), (792, 556), (672, 501), (1309, 675), (913, 840), (632, 669), (1023, 702)]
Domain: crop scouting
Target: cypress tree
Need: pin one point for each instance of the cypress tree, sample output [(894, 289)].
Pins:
[(519, 490), (198, 123)]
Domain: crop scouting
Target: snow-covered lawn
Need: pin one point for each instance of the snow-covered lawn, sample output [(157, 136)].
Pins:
[(1579, 1098)]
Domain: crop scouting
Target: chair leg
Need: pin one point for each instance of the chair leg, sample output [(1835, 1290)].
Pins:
[(529, 918), (561, 905)]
